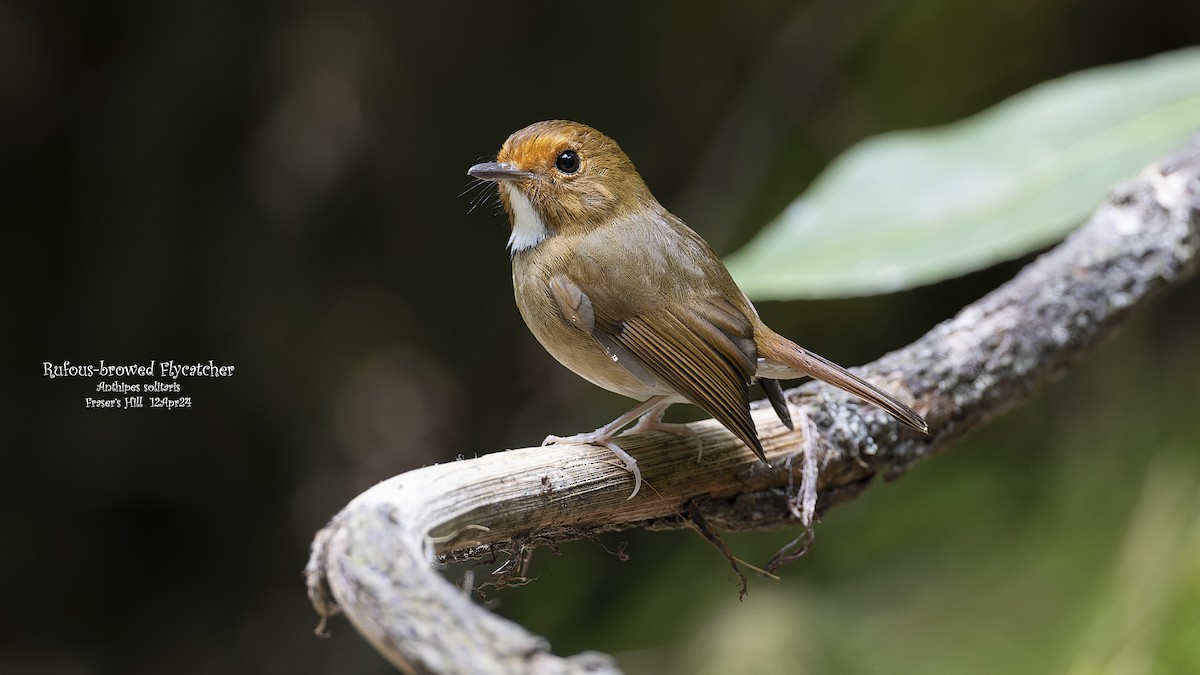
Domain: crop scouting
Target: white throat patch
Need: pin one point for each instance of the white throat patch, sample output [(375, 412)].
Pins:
[(528, 230)]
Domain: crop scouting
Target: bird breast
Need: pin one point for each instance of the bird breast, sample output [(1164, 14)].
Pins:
[(572, 345)]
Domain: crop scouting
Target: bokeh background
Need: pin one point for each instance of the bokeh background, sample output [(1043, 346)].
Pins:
[(279, 186)]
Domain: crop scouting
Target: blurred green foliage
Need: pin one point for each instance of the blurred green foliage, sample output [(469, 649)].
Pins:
[(278, 186), (915, 207)]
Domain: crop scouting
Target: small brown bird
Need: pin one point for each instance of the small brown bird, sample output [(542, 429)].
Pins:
[(625, 294)]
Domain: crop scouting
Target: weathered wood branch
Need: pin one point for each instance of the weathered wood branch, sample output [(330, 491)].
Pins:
[(375, 561)]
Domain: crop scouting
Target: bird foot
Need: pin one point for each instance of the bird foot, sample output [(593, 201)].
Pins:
[(601, 439), (680, 430)]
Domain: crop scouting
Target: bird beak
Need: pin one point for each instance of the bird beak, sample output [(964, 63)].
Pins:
[(497, 171)]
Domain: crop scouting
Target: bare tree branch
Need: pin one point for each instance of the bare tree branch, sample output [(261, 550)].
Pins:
[(374, 561)]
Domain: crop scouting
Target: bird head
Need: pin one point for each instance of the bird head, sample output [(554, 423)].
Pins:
[(558, 177)]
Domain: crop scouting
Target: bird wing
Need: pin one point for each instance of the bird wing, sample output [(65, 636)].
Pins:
[(703, 349)]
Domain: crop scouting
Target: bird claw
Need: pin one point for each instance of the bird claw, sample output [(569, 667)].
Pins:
[(591, 438), (630, 464)]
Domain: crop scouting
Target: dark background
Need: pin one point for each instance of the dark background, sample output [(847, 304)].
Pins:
[(278, 186)]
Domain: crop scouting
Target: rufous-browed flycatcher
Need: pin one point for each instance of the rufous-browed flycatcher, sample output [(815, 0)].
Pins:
[(625, 294)]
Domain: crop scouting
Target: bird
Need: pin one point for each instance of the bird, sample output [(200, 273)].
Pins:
[(622, 292)]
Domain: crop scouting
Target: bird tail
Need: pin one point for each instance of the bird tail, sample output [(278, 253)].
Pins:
[(775, 347)]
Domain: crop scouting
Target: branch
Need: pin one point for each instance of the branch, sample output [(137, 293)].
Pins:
[(374, 561)]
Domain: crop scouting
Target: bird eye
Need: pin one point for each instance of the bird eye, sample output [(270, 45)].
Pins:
[(567, 161)]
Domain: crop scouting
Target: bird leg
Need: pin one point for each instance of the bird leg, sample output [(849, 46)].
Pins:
[(652, 421)]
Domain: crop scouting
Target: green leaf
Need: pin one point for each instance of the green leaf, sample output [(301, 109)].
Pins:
[(914, 207)]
